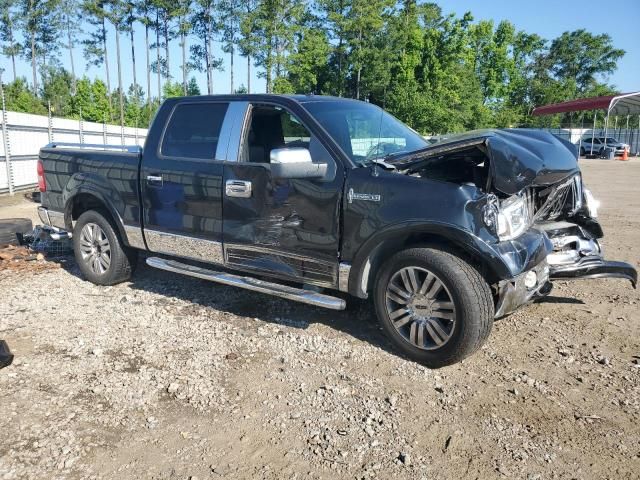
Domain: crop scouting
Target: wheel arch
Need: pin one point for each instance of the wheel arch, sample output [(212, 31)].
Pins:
[(375, 251), (84, 200)]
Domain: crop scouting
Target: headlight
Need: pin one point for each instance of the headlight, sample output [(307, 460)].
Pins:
[(513, 218), (591, 203)]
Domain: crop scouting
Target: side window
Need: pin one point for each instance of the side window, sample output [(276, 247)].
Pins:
[(273, 127), (193, 130)]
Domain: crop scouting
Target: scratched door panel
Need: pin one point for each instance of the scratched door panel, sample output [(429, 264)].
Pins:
[(287, 227)]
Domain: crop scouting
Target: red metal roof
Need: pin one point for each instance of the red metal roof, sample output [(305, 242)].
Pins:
[(624, 104)]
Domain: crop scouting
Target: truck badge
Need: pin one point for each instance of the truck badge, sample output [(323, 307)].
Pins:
[(367, 197)]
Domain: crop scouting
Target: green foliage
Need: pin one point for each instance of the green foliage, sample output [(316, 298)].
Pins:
[(438, 73), (171, 89), (20, 98)]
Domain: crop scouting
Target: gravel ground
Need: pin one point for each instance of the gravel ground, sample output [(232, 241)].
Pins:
[(168, 377)]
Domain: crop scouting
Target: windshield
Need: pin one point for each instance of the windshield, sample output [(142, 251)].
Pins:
[(609, 140), (363, 131)]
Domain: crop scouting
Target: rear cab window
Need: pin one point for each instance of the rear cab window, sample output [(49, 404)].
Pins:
[(193, 130)]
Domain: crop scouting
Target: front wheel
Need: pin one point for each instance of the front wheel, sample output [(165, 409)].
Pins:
[(99, 252), (435, 307)]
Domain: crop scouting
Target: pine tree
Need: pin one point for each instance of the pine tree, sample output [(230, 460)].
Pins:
[(95, 45), (9, 21)]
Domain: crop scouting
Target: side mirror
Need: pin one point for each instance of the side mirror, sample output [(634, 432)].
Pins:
[(295, 163)]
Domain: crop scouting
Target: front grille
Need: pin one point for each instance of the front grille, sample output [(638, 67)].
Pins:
[(556, 200)]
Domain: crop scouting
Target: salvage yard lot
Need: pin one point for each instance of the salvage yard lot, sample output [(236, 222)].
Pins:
[(170, 377)]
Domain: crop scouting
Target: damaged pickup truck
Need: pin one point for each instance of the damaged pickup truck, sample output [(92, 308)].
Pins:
[(295, 195)]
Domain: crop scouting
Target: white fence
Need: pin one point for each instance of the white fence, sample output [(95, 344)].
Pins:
[(25, 134), (629, 136)]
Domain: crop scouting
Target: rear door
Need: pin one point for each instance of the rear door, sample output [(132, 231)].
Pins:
[(284, 227), (181, 179)]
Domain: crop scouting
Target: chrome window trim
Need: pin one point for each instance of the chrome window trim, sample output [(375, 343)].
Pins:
[(135, 237), (199, 249), (232, 127)]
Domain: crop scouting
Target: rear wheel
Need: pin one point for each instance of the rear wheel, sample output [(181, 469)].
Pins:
[(435, 307), (99, 252)]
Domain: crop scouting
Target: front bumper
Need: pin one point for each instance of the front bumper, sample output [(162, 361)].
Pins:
[(596, 268), (578, 255), (515, 293)]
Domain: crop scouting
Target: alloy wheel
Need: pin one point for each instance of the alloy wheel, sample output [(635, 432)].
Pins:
[(95, 248), (421, 308)]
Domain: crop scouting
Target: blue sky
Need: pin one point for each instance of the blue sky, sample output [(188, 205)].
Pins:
[(548, 18)]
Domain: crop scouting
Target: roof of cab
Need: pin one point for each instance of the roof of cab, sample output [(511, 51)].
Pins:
[(298, 98)]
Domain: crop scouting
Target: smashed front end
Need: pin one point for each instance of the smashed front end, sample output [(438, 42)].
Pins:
[(533, 193)]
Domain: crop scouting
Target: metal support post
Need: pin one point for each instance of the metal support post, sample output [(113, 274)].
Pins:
[(104, 129), (50, 122), (81, 126), (5, 141)]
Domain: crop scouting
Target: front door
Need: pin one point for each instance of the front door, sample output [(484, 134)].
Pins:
[(284, 227), (181, 182)]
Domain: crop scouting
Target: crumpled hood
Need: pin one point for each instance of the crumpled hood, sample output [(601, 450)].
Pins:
[(518, 157)]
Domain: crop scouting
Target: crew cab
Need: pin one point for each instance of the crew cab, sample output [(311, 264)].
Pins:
[(304, 197)]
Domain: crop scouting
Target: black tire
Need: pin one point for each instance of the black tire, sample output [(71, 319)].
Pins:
[(12, 230), (122, 260), (469, 296), (582, 152)]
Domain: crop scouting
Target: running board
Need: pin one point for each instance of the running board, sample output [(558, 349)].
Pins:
[(284, 291)]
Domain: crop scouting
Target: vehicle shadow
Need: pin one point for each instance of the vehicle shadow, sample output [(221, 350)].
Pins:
[(358, 320), (554, 299)]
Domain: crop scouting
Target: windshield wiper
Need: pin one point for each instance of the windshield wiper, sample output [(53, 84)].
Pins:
[(383, 163)]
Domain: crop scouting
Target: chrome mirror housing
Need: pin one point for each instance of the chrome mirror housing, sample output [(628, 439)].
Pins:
[(295, 163)]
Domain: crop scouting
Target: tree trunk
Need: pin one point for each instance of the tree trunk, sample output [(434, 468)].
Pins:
[(106, 66), (159, 65), (231, 66), (166, 45), (13, 55), (146, 40), (208, 55), (70, 47), (34, 68), (119, 77), (206, 62), (269, 64), (133, 56), (340, 81), (248, 73), (183, 40)]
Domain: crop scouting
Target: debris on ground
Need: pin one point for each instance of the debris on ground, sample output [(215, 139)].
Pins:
[(49, 240), (170, 377), (21, 258)]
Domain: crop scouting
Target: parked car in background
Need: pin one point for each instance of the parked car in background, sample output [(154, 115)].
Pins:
[(596, 145), (289, 195)]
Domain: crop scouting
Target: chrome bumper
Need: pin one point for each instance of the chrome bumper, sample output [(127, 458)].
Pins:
[(514, 293), (51, 218), (578, 256)]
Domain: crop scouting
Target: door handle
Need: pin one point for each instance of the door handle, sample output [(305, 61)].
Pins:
[(238, 188), (154, 180)]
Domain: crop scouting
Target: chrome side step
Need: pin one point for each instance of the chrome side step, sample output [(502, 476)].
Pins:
[(249, 283)]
